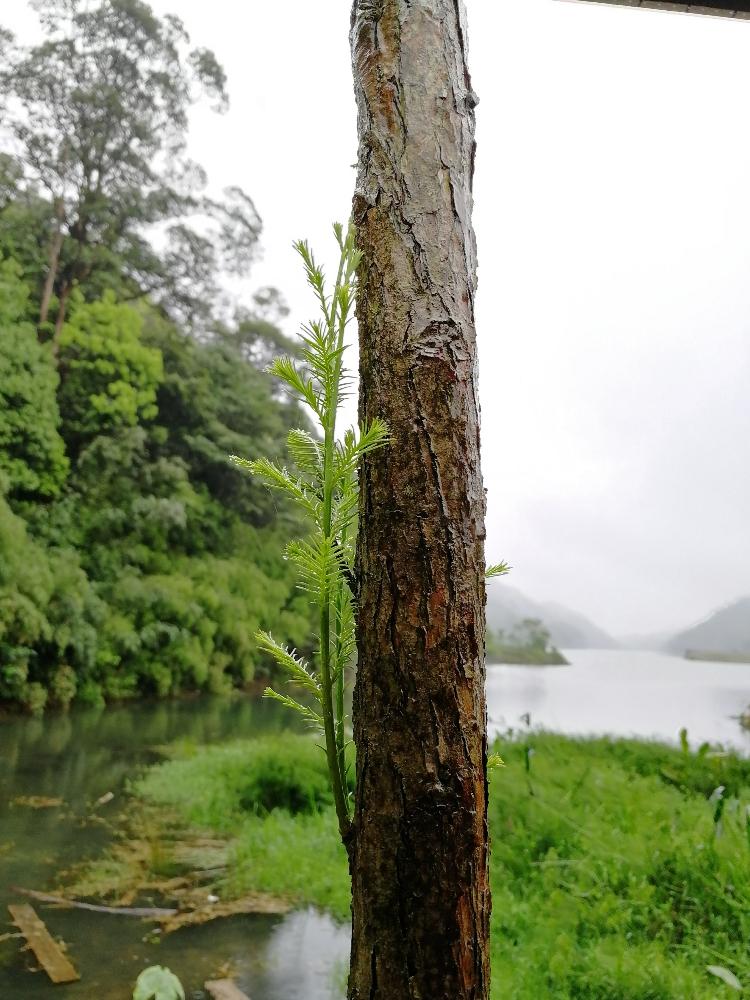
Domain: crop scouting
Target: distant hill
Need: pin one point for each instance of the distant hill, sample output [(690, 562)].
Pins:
[(507, 606), (725, 631)]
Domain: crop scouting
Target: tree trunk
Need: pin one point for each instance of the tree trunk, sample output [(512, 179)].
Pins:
[(419, 848), (60, 318), (53, 260)]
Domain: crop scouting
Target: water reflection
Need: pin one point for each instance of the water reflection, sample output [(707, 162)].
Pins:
[(308, 956)]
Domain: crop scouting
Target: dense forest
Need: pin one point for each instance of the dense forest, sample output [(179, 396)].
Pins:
[(135, 559)]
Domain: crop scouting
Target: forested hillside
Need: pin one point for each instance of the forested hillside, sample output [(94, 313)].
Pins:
[(134, 558), (507, 608), (725, 631)]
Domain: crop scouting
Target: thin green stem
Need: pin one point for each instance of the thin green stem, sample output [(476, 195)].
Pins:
[(329, 442), (339, 797), (344, 269), (346, 248), (326, 492), (340, 679)]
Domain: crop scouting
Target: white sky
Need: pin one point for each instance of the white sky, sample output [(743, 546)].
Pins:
[(613, 221)]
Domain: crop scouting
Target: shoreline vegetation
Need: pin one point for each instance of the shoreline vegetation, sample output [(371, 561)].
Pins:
[(619, 868), (525, 644), (135, 559), (709, 657)]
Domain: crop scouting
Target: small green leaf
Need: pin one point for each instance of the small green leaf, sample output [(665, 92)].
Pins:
[(310, 716), (158, 983), (496, 569), (726, 976), (303, 388), (305, 452), (494, 761), (281, 479), (290, 661)]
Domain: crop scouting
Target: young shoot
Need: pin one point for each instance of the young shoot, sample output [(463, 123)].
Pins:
[(322, 481), (495, 570)]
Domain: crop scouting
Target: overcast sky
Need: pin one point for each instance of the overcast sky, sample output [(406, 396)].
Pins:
[(613, 220)]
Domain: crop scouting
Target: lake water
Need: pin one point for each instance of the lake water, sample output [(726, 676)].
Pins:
[(80, 756), (625, 693)]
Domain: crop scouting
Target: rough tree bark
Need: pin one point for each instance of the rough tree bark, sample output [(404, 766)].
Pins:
[(419, 846)]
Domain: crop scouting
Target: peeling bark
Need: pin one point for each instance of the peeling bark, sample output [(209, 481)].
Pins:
[(419, 847)]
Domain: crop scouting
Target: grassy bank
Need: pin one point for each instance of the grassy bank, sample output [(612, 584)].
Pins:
[(516, 657), (615, 874), (526, 644), (708, 656)]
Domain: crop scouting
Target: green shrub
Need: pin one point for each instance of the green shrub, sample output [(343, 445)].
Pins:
[(35, 698), (63, 685), (223, 784)]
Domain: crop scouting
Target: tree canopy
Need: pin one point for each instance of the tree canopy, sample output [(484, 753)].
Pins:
[(134, 557), (98, 114)]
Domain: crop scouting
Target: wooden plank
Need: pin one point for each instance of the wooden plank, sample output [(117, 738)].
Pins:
[(224, 989), (48, 952)]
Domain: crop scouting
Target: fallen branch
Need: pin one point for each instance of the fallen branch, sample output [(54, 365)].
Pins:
[(144, 912)]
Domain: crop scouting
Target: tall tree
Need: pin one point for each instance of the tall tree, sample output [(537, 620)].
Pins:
[(98, 114), (419, 850)]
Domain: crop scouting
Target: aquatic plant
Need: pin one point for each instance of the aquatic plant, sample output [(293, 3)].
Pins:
[(158, 983)]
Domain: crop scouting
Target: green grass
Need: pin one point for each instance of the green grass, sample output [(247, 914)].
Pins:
[(608, 876), (611, 879), (218, 787)]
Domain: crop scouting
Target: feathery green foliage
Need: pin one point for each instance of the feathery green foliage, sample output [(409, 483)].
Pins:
[(496, 569), (323, 484)]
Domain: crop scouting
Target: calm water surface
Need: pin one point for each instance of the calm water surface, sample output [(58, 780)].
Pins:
[(625, 693), (81, 756)]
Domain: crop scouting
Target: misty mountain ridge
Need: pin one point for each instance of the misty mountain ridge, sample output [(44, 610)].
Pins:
[(507, 606), (726, 630)]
